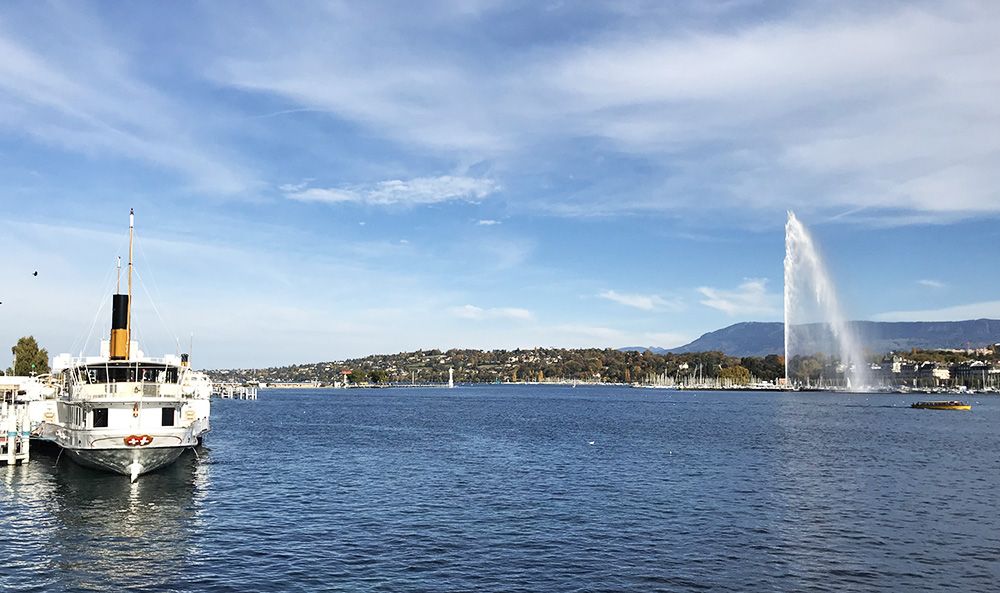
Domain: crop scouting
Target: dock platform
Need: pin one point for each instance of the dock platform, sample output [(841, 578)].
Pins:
[(15, 429), (234, 391)]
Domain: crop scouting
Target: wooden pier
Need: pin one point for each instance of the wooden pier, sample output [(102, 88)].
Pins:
[(15, 429)]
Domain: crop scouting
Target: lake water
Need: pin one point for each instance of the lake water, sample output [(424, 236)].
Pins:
[(525, 488)]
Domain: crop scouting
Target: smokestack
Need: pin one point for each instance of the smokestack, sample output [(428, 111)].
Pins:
[(121, 309), (119, 327)]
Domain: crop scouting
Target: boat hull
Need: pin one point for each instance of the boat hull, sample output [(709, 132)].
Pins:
[(121, 460), (941, 405), (130, 455)]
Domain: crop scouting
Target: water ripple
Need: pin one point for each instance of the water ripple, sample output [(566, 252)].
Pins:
[(533, 489)]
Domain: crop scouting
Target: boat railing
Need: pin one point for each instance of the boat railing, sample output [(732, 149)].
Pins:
[(76, 361), (82, 391)]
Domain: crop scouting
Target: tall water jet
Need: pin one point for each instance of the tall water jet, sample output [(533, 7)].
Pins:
[(812, 312)]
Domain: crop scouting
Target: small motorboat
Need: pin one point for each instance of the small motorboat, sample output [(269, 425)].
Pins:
[(942, 405)]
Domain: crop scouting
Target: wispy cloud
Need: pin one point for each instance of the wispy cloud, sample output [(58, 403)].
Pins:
[(750, 298), (761, 111), (421, 190), (487, 222), (479, 314), (645, 302), (987, 309), (771, 109), (290, 188), (82, 94), (931, 283)]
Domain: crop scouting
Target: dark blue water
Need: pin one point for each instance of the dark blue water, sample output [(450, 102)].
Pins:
[(530, 489)]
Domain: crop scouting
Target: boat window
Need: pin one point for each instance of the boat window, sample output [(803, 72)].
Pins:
[(121, 373), (168, 417), (100, 417)]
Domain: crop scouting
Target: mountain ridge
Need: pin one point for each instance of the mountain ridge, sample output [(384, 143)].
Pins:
[(760, 338)]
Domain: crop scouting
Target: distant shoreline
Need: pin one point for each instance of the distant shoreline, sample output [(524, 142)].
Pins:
[(914, 392)]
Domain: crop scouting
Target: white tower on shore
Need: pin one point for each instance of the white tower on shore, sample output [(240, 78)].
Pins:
[(451, 377)]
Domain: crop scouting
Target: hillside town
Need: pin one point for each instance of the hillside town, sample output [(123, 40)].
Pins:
[(897, 369), (977, 368)]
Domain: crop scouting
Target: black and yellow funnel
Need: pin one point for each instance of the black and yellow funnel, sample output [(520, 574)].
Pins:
[(119, 327), (121, 311)]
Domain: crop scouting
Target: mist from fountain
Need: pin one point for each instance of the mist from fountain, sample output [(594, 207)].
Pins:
[(810, 297)]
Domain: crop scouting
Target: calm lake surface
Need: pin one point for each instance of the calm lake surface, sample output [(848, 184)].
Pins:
[(525, 488)]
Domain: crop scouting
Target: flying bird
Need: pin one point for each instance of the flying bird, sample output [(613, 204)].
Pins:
[(36, 273)]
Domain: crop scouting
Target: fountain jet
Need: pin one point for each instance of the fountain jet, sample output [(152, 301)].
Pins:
[(810, 297)]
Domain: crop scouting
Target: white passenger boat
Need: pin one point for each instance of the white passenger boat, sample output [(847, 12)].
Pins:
[(122, 411)]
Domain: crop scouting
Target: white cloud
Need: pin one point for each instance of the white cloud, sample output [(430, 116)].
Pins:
[(487, 222), (421, 190), (479, 314), (650, 302), (854, 96), (774, 108), (295, 187), (931, 283), (82, 94), (749, 298), (987, 309)]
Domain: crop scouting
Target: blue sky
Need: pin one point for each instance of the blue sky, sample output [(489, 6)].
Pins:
[(314, 181)]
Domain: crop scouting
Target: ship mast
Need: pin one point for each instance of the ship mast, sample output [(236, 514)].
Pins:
[(121, 307), (131, 227)]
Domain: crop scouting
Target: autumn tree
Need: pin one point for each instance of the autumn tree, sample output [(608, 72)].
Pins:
[(737, 375)]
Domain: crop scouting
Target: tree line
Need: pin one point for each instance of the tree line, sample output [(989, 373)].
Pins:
[(538, 364)]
